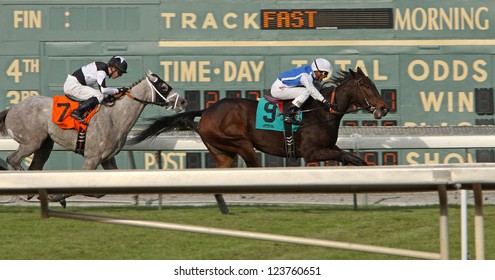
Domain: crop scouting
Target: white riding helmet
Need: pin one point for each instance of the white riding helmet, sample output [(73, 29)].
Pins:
[(321, 64)]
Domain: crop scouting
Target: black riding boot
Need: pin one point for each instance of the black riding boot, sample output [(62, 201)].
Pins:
[(290, 115), (84, 107)]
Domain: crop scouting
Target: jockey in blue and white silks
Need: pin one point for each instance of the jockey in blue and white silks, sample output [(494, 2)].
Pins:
[(297, 84)]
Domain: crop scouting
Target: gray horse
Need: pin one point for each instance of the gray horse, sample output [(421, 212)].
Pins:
[(30, 124)]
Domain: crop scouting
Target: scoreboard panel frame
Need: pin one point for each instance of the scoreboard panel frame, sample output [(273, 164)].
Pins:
[(431, 70)]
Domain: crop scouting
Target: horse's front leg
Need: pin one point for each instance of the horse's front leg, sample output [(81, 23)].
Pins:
[(350, 159), (91, 163), (108, 164), (334, 153)]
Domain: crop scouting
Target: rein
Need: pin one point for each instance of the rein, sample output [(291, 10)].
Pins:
[(129, 94), (333, 104), (163, 104)]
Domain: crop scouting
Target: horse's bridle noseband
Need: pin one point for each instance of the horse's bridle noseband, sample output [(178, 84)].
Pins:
[(368, 108), (128, 93)]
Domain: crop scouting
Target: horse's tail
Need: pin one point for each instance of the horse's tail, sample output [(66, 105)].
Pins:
[(3, 115), (179, 122)]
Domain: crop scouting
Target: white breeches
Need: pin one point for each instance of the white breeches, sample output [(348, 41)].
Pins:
[(281, 91), (73, 88)]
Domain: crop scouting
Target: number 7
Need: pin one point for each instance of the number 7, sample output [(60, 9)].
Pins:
[(67, 106)]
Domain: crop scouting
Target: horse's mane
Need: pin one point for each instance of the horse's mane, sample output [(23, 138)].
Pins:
[(341, 77), (135, 83), (111, 102)]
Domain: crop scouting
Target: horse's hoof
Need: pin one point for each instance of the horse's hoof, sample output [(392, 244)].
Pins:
[(63, 203), (95, 195), (29, 197), (57, 198), (350, 159)]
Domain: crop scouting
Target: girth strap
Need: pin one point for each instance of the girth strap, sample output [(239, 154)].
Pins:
[(81, 142), (290, 141)]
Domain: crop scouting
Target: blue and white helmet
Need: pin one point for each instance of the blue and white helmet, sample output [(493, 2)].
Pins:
[(322, 65)]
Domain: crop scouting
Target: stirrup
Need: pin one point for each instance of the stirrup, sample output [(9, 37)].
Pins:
[(292, 120), (77, 117)]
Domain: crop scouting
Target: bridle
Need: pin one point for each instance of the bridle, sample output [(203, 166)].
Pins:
[(359, 90), (155, 91), (333, 104)]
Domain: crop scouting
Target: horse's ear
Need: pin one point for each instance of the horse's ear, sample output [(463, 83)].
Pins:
[(352, 72), (360, 72), (150, 76)]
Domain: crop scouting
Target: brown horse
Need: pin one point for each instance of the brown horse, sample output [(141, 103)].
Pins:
[(228, 128)]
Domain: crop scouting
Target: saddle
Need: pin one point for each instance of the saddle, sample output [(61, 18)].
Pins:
[(282, 105), (62, 107), (269, 116)]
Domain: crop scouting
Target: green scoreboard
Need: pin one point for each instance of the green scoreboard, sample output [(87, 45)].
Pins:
[(433, 61)]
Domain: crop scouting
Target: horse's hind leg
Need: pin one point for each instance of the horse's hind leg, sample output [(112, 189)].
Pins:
[(15, 158), (226, 159), (40, 157), (223, 160), (248, 154), (42, 154), (24, 150)]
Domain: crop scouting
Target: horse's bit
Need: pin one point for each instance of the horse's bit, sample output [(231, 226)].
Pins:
[(163, 104), (333, 106), (369, 108)]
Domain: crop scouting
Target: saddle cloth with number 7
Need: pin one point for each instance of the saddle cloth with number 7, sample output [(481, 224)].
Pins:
[(62, 107)]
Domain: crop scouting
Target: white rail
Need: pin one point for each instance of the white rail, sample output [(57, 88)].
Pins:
[(425, 178), (350, 138)]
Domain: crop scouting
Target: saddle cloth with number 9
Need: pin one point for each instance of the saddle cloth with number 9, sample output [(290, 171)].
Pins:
[(269, 114)]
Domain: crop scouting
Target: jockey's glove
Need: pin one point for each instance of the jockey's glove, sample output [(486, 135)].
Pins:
[(109, 99), (326, 103), (123, 90)]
